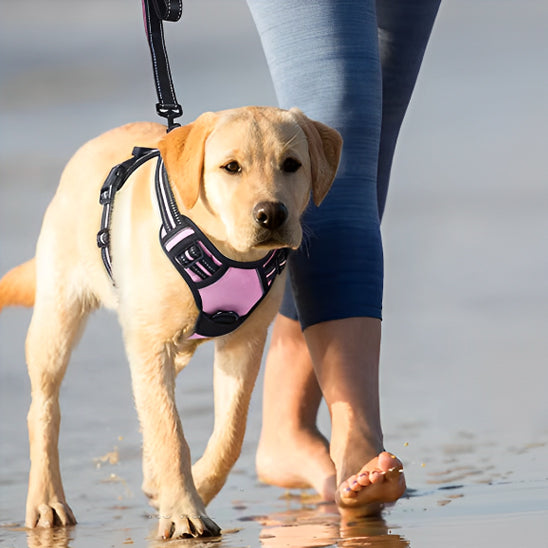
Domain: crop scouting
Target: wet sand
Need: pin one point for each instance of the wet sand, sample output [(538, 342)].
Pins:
[(465, 350)]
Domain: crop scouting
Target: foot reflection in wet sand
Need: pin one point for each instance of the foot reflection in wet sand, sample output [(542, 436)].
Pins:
[(322, 527), (369, 532)]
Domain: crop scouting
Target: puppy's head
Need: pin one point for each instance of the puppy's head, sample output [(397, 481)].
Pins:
[(245, 175)]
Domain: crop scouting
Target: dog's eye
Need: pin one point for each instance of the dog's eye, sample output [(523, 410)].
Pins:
[(290, 165), (232, 167)]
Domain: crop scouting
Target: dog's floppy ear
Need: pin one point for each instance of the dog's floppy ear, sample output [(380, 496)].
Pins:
[(324, 146), (182, 150)]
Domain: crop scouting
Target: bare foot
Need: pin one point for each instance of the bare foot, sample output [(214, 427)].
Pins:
[(380, 481), (297, 460)]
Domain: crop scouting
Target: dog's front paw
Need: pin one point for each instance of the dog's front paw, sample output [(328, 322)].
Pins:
[(187, 526), (51, 514)]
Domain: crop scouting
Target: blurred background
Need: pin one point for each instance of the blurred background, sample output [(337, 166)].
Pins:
[(465, 345)]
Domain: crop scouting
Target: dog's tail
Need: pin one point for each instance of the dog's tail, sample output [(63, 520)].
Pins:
[(18, 286)]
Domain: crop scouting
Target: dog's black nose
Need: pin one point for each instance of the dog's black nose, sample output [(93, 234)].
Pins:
[(270, 215)]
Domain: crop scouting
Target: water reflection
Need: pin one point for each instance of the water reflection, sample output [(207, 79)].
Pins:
[(306, 527), (322, 527), (370, 532), (216, 542), (58, 537)]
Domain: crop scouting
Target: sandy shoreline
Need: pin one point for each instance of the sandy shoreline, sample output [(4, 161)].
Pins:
[(465, 351)]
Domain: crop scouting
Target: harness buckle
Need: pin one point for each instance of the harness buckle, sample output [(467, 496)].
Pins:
[(105, 197), (225, 317), (114, 181), (191, 255), (103, 238)]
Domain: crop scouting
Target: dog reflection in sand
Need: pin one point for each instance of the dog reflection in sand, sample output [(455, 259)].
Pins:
[(244, 177)]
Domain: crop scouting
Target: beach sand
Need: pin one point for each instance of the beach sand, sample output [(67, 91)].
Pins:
[(465, 345)]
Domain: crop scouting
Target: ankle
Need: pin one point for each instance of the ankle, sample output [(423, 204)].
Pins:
[(287, 433), (350, 448)]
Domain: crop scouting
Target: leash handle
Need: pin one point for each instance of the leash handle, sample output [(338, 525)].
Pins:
[(154, 13)]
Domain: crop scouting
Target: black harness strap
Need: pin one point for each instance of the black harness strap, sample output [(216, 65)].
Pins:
[(154, 12), (114, 182)]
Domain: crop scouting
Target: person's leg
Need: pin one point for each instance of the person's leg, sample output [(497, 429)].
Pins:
[(292, 453), (345, 350), (322, 67), (345, 354)]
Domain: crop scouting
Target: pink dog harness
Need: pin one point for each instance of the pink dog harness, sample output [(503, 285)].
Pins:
[(226, 292)]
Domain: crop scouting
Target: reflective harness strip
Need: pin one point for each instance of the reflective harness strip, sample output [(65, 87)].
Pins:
[(226, 292)]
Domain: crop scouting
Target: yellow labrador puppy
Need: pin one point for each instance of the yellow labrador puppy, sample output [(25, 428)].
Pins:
[(218, 201)]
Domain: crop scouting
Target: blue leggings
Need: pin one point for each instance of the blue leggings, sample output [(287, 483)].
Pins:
[(353, 65)]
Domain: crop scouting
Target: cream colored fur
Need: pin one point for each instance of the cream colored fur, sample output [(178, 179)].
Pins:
[(156, 309)]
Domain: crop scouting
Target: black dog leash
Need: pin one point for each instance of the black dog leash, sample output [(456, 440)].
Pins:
[(154, 13)]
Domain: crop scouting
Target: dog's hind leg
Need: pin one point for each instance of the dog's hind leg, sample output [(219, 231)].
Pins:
[(56, 323), (237, 362)]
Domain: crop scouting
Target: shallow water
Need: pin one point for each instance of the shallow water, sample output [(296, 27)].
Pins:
[(465, 351)]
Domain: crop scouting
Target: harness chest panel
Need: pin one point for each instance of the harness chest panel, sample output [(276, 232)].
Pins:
[(225, 291)]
